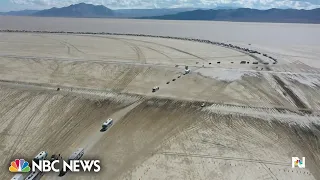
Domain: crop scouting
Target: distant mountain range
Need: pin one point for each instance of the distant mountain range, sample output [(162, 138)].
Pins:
[(221, 14), (149, 12), (19, 13), (77, 10), (89, 10), (247, 15)]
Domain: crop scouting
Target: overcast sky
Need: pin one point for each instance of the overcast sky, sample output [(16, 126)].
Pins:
[(8, 5)]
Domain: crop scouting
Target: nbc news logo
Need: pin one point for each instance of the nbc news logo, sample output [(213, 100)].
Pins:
[(296, 162)]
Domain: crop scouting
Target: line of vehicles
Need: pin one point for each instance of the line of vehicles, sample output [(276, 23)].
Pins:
[(186, 71), (43, 156), (33, 175), (37, 174), (74, 156)]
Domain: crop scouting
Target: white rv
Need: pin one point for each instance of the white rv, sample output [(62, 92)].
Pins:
[(106, 125), (74, 156), (35, 175), (77, 154), (41, 156), (17, 177)]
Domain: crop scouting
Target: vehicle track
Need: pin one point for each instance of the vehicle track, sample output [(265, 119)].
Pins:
[(14, 149), (298, 102), (133, 72), (224, 158), (272, 175), (145, 147), (236, 48), (140, 55), (213, 105), (158, 51), (173, 48), (269, 96), (65, 43), (138, 51), (83, 111), (128, 77), (154, 127), (74, 47), (167, 125), (150, 64), (20, 101), (6, 108)]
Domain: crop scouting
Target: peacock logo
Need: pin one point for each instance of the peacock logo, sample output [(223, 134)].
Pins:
[(296, 162), (19, 165)]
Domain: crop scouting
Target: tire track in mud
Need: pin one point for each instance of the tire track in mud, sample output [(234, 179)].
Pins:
[(124, 119), (139, 118), (297, 101), (16, 95), (6, 130), (133, 71), (37, 60), (73, 46), (174, 104), (65, 43), (224, 158), (147, 71), (259, 89), (141, 154), (172, 48), (190, 111), (84, 112), (220, 88), (247, 109), (6, 95), (193, 126), (263, 140), (58, 134), (24, 101), (96, 136), (147, 64), (181, 128), (269, 172), (13, 148), (158, 51), (230, 46), (22, 132), (71, 125), (140, 55), (55, 70), (138, 51), (212, 105), (169, 47), (117, 117), (128, 77), (231, 127)]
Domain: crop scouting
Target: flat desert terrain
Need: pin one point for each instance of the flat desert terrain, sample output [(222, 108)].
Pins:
[(57, 89)]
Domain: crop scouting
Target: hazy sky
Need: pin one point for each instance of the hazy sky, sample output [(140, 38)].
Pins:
[(8, 5)]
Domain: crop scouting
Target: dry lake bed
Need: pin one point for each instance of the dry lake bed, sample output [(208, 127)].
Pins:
[(223, 120)]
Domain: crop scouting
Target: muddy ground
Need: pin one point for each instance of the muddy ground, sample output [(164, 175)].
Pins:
[(153, 138), (252, 123)]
